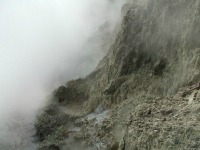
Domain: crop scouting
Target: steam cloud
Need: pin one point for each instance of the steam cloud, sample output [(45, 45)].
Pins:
[(42, 46)]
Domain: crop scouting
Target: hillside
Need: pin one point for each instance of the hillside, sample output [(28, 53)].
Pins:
[(139, 96)]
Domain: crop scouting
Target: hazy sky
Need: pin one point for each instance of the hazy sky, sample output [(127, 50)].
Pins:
[(41, 47)]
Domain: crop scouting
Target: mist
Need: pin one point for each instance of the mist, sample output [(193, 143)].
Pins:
[(43, 44)]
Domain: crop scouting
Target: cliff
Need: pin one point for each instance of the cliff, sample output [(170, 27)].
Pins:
[(139, 96)]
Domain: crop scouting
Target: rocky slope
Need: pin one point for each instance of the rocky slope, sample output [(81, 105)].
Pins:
[(139, 96)]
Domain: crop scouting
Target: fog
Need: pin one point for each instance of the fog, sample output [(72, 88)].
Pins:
[(43, 43)]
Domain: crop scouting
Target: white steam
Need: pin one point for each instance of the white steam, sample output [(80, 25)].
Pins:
[(41, 46)]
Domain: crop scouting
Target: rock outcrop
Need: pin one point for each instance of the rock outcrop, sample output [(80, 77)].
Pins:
[(135, 98)]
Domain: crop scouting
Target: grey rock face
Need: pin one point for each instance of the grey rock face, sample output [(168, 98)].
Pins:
[(156, 52)]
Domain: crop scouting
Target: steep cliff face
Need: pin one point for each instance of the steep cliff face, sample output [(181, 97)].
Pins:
[(159, 39), (158, 43), (156, 52)]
